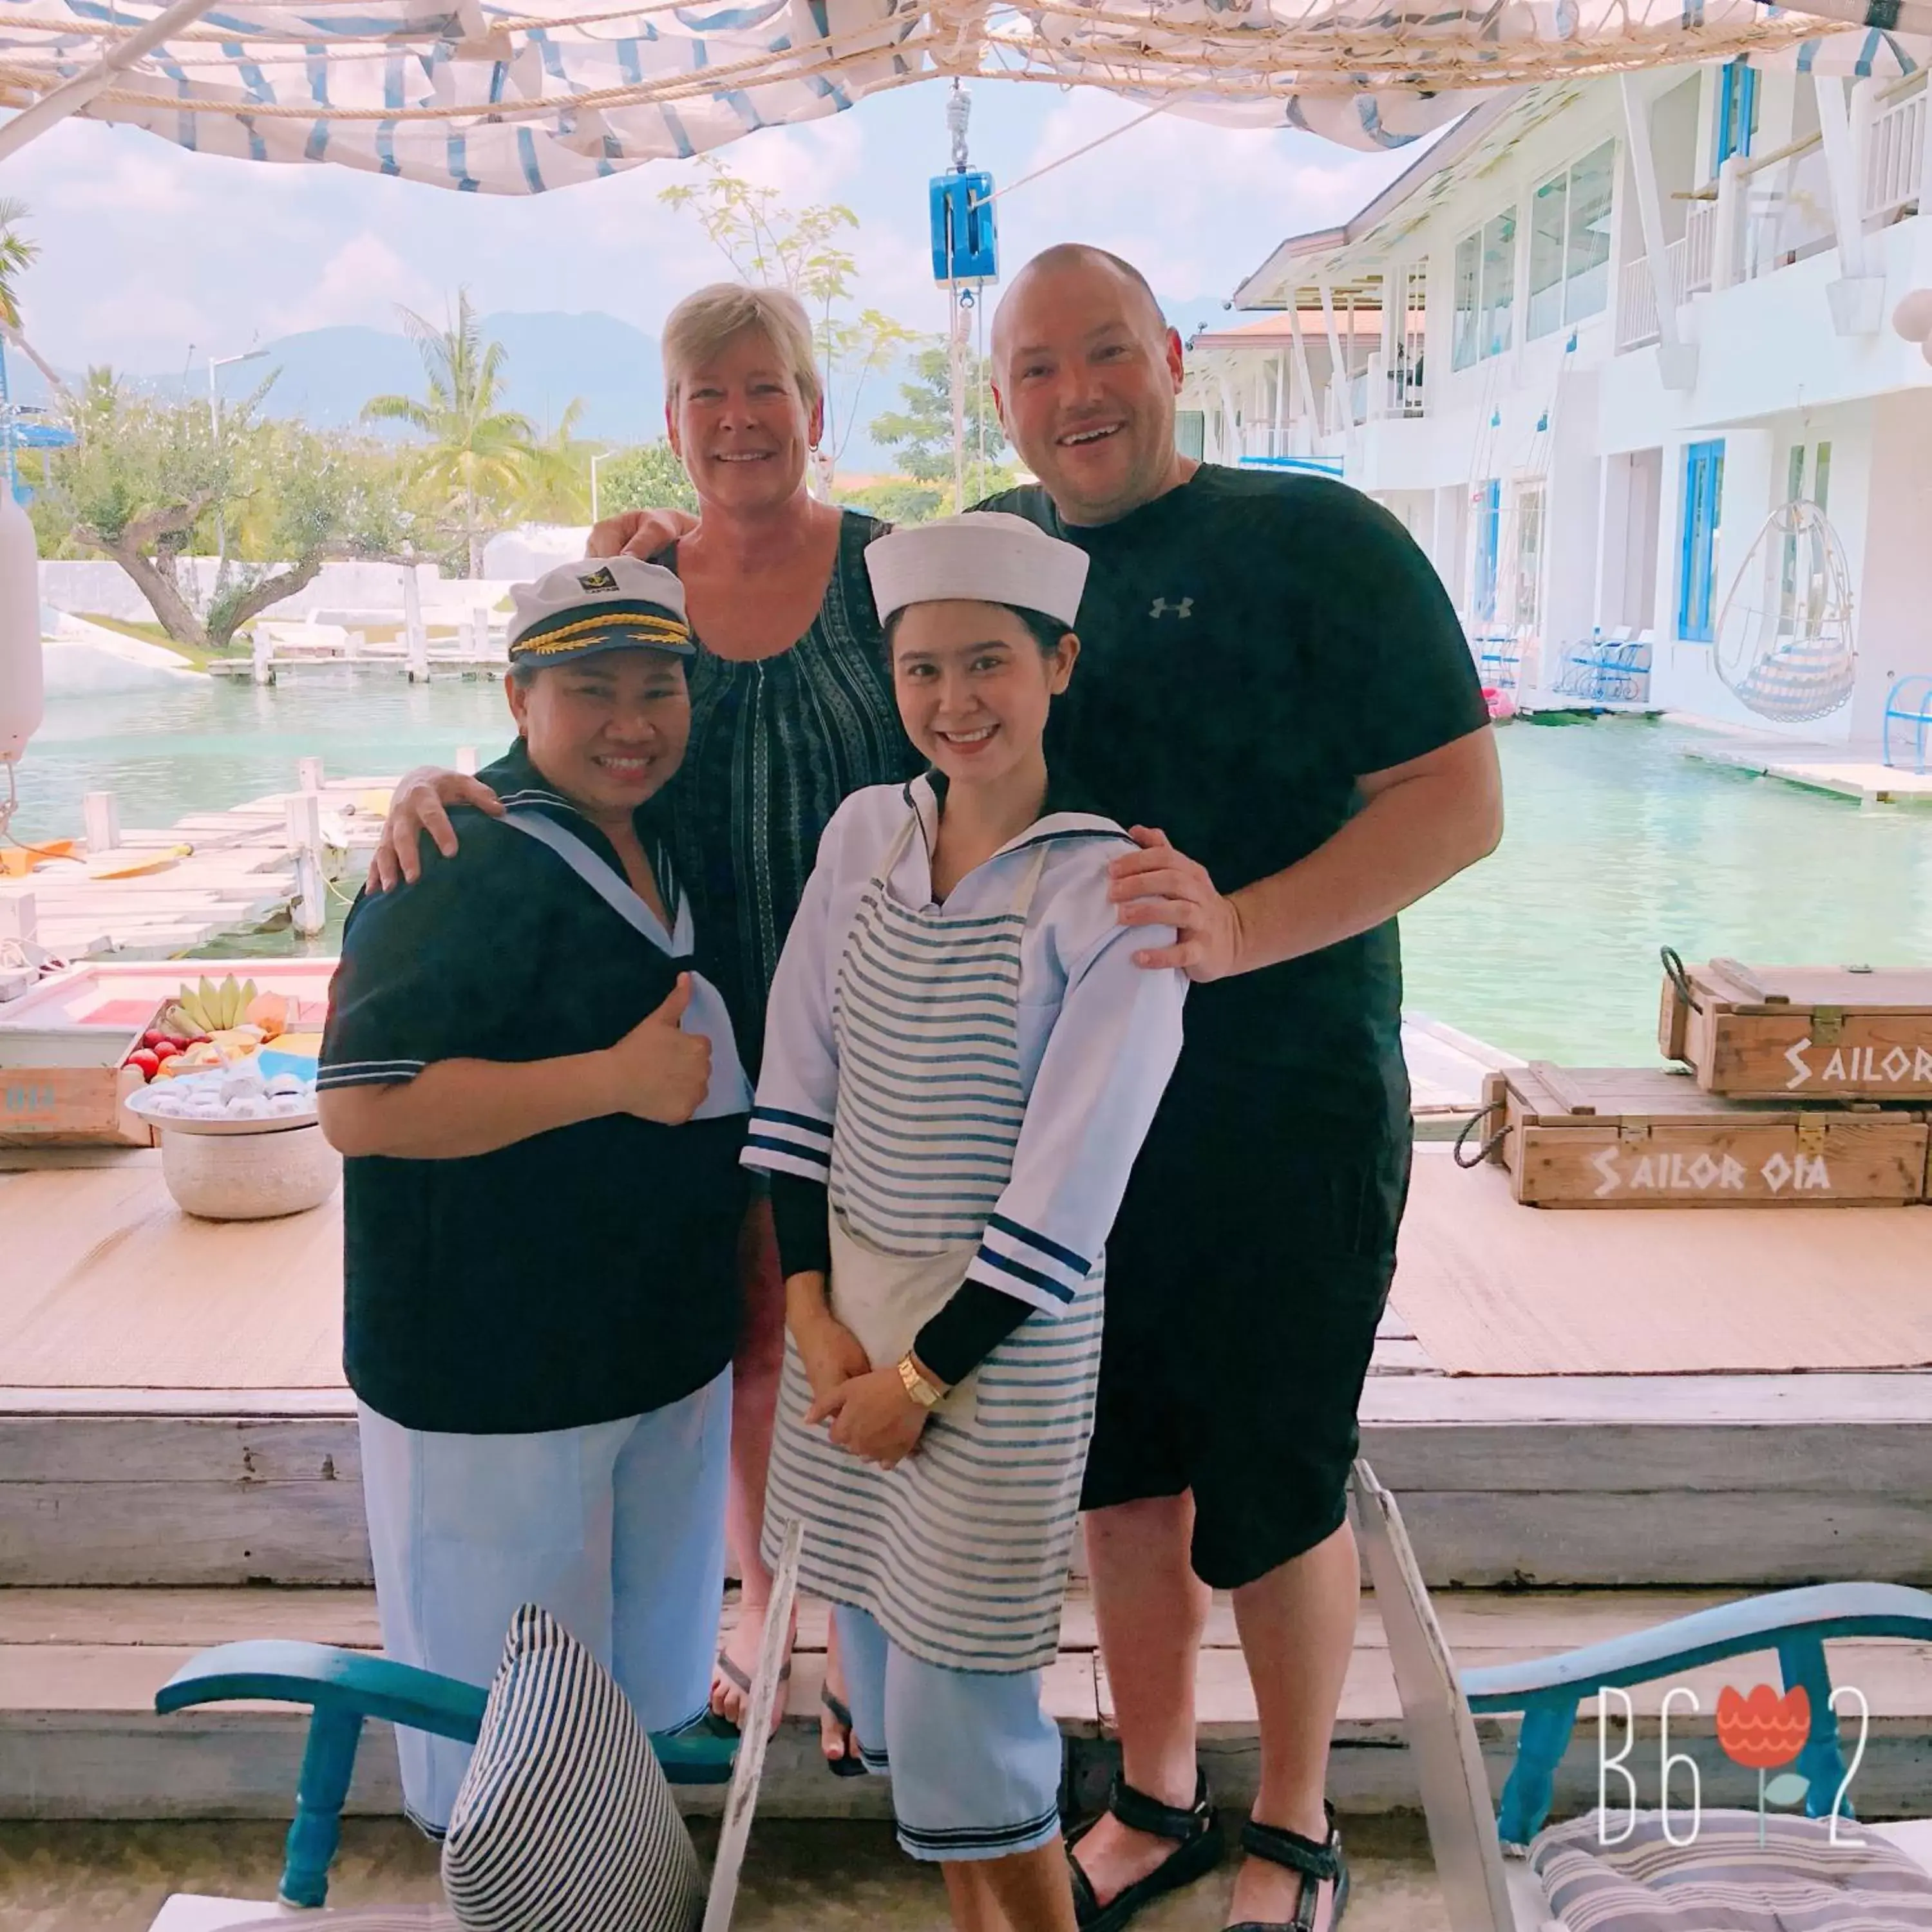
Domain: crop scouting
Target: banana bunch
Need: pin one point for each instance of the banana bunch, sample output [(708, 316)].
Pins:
[(208, 1008)]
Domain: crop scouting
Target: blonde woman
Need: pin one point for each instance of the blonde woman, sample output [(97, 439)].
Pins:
[(791, 711)]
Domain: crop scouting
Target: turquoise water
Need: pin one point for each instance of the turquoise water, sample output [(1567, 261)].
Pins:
[(1617, 844)]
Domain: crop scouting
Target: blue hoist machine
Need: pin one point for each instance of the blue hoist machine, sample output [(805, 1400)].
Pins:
[(965, 258)]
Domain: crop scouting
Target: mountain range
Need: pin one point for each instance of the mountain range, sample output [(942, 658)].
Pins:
[(325, 376)]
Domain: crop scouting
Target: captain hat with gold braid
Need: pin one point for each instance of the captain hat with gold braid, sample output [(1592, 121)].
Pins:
[(614, 604)]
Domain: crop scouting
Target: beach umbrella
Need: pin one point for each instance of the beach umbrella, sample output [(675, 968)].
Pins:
[(516, 97)]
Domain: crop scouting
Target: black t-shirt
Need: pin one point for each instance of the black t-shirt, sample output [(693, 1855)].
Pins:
[(1254, 644), (572, 1278)]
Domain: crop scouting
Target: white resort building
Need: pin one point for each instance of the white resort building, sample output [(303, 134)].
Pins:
[(1627, 357)]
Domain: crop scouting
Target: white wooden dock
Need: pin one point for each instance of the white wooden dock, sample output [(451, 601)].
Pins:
[(240, 875), (1847, 771)]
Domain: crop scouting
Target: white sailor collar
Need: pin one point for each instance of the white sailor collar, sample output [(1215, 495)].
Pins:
[(1058, 819)]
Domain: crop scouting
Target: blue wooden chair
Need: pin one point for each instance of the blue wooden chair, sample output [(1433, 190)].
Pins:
[(343, 1689), (1483, 1891)]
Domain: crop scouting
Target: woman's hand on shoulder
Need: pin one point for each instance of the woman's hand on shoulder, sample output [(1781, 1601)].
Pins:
[(420, 805), (658, 1071), (639, 533)]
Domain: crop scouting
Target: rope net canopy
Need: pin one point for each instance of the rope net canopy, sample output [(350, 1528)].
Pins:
[(519, 98)]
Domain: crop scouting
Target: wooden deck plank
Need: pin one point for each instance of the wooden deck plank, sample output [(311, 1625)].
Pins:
[(79, 1737)]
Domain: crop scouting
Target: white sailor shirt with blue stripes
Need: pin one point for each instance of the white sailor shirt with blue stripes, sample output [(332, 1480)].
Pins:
[(1097, 1037)]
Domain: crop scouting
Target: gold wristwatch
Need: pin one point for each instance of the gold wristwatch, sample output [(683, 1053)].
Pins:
[(927, 1393)]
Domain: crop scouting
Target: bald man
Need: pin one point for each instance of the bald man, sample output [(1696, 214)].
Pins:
[(1276, 693)]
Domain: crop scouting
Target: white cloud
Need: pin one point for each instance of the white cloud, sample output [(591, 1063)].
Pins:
[(1187, 202), (364, 280)]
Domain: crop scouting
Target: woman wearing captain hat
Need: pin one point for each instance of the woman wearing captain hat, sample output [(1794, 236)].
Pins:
[(514, 1042), (961, 1060)]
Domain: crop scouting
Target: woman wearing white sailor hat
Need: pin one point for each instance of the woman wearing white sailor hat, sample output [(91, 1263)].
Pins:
[(961, 1061)]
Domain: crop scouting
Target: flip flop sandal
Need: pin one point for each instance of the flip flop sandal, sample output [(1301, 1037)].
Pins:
[(1315, 1863), (840, 1715), (719, 1727), (1198, 1849)]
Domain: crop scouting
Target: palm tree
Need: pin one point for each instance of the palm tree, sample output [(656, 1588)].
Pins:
[(17, 255), (557, 482), (479, 454)]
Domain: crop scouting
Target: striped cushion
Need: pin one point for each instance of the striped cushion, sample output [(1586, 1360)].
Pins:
[(564, 1821), (1721, 1881)]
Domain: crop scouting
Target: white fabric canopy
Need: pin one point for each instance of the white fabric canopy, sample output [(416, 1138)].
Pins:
[(516, 99)]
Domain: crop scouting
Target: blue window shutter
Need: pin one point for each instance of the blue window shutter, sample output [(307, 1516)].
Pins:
[(1703, 486)]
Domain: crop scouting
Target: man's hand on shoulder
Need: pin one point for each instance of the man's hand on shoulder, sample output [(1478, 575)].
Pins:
[(421, 804), (639, 533), (1158, 886)]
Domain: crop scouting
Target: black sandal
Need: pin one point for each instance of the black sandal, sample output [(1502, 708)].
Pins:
[(851, 1765), (1198, 1849), (1317, 1863)]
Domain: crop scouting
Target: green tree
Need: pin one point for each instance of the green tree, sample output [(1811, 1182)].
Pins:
[(556, 478), (648, 476), (17, 255), (145, 476), (765, 239), (920, 434), (899, 500), (479, 455)]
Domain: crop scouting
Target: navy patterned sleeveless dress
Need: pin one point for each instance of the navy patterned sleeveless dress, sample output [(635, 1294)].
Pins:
[(776, 746)]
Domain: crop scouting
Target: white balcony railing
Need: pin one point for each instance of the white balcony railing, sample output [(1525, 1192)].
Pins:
[(1767, 212), (1636, 305), (1691, 254), (1894, 160)]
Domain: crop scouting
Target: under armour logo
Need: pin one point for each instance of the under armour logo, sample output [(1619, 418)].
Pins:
[(1184, 607)]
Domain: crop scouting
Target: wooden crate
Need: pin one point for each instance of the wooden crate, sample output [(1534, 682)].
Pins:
[(1645, 1137), (39, 1105), (62, 1044), (1802, 1033)]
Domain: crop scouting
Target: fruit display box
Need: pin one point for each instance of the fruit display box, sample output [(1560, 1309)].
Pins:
[(1646, 1137), (64, 1046), (1801, 1033)]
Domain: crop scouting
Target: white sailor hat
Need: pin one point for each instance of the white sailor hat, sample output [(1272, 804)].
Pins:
[(986, 557), (617, 603)]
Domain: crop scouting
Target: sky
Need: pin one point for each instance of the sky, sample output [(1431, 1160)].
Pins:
[(153, 258)]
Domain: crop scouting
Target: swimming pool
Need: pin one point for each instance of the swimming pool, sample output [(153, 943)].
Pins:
[(1617, 844)]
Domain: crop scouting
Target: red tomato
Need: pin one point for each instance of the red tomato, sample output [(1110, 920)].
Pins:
[(146, 1060), (154, 1038)]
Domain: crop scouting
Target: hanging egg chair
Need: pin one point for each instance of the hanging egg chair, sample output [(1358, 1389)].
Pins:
[(1784, 645)]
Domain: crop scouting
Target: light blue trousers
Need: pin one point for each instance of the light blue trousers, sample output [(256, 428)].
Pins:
[(974, 1759), (617, 1529)]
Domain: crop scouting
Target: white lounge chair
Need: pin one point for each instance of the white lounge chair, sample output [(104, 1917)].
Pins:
[(1483, 1892)]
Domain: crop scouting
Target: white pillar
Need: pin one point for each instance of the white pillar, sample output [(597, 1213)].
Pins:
[(1280, 402), (308, 774), (261, 666), (1676, 359), (308, 909), (1300, 343), (1727, 243), (19, 918), (415, 639), (101, 815), (1338, 365), (1834, 129)]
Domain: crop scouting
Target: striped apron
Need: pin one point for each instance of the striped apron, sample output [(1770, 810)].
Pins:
[(960, 1552)]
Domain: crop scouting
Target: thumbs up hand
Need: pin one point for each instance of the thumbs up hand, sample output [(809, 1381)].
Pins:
[(659, 1071)]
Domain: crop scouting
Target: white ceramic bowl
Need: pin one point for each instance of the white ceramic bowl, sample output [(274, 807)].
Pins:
[(245, 1176)]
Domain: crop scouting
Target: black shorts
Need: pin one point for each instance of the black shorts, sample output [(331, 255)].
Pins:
[(1246, 1274)]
